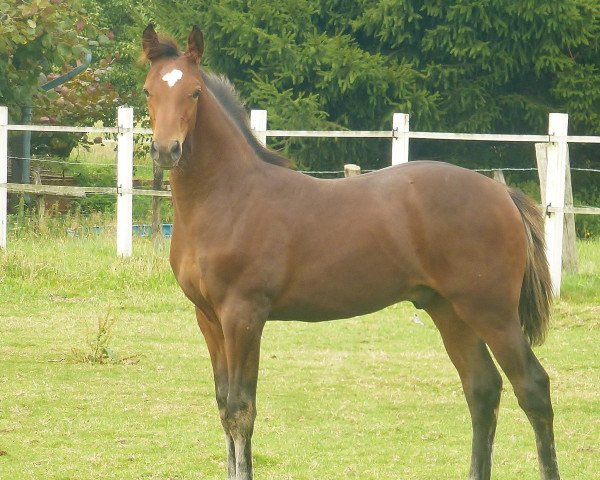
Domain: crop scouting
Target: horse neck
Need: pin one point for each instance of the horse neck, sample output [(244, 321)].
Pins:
[(219, 156)]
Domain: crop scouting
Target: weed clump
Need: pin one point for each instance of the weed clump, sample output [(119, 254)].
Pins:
[(98, 346)]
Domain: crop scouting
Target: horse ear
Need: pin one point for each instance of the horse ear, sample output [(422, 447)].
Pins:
[(195, 47), (149, 41)]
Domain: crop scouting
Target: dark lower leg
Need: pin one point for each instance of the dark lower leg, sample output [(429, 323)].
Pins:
[(239, 419), (229, 442), (532, 388), (480, 379), (221, 388), (243, 450), (231, 469), (213, 335), (483, 397), (534, 399), (544, 434), (243, 333)]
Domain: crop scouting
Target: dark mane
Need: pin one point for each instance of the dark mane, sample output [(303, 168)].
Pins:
[(228, 98)]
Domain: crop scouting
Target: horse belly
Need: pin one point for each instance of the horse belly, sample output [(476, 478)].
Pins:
[(347, 281)]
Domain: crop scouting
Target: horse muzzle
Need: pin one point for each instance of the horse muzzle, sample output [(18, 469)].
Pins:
[(166, 157)]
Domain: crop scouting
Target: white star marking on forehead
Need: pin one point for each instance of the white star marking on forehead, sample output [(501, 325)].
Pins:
[(172, 77)]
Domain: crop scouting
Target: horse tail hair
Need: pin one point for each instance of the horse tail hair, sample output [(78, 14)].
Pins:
[(536, 291)]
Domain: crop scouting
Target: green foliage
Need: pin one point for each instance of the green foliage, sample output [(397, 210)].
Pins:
[(288, 57), (35, 37), (84, 100), (112, 80), (99, 349), (43, 39), (122, 22), (480, 66)]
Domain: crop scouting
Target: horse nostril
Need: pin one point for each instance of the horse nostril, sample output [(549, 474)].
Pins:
[(154, 151), (175, 150)]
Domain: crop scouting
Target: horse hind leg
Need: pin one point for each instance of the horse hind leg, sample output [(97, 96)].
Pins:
[(480, 379), (531, 385), (502, 332)]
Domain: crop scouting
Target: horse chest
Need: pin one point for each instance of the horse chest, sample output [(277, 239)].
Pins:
[(190, 278), (205, 277)]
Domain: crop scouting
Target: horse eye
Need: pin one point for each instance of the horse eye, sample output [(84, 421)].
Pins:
[(146, 92), (196, 93)]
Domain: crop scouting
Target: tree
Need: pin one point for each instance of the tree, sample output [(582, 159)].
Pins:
[(121, 22), (462, 65), (35, 37), (281, 56), (114, 77), (497, 65), (43, 39)]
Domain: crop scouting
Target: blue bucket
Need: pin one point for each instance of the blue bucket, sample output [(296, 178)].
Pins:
[(146, 230)]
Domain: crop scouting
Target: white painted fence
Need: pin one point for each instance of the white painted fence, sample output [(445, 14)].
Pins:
[(3, 174), (400, 135), (125, 182)]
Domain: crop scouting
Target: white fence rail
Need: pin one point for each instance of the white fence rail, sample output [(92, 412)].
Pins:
[(400, 135)]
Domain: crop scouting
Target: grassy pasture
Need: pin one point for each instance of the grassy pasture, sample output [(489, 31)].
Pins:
[(367, 398)]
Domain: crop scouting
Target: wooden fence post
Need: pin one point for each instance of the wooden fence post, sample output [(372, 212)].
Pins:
[(569, 253), (351, 170), (125, 182), (555, 195), (569, 249), (258, 122), (400, 126), (36, 179), (3, 175), (498, 175), (541, 157), (157, 184)]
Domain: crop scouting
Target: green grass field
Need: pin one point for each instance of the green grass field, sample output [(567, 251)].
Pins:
[(369, 398)]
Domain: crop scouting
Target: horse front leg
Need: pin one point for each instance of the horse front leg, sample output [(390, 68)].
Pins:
[(242, 328), (215, 342)]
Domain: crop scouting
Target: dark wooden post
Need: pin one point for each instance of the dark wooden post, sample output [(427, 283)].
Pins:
[(157, 184), (36, 177)]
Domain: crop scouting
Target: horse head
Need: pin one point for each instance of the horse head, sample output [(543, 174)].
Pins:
[(173, 87)]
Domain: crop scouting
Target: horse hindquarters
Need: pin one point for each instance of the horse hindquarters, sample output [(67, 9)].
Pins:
[(488, 310)]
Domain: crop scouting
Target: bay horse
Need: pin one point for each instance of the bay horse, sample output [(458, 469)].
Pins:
[(253, 240)]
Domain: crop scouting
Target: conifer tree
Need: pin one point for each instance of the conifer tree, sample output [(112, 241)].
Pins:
[(463, 66)]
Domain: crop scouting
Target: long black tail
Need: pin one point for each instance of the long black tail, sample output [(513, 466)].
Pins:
[(536, 292)]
